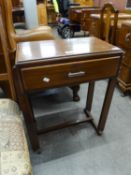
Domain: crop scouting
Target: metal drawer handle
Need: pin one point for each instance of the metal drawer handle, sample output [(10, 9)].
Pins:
[(76, 74), (46, 79)]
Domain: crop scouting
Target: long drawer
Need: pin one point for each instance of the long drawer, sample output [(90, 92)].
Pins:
[(56, 75)]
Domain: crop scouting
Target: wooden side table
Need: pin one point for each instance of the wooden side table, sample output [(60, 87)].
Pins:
[(56, 63)]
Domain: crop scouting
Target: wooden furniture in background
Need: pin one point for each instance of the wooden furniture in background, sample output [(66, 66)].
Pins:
[(51, 14), (42, 13), (127, 11), (71, 62), (101, 23), (124, 41), (85, 19), (81, 15), (39, 33), (95, 23), (16, 3), (109, 17), (18, 11), (7, 75), (84, 2), (76, 12), (18, 15)]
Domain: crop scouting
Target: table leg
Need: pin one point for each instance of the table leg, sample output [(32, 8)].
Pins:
[(25, 106), (30, 122), (106, 105), (90, 95), (32, 132)]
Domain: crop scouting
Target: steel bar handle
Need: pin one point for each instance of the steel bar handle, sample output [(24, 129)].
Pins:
[(76, 74)]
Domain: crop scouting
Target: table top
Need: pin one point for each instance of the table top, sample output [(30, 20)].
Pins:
[(87, 9), (83, 7), (80, 9), (55, 50), (127, 22), (123, 22), (120, 16)]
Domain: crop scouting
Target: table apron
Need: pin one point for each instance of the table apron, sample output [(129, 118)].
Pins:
[(55, 75)]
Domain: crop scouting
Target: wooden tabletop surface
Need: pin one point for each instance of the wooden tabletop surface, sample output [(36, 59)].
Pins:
[(56, 49), (120, 16)]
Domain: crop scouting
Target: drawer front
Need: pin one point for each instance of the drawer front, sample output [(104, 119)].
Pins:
[(50, 76), (75, 16), (125, 37)]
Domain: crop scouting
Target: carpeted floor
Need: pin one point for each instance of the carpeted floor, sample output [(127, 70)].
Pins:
[(78, 150)]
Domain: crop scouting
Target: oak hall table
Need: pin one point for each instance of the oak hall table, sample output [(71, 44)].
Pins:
[(56, 63)]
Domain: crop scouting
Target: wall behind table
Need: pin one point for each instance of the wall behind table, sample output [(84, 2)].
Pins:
[(119, 4)]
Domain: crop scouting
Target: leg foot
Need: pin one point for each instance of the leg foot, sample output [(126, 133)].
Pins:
[(99, 132), (75, 90)]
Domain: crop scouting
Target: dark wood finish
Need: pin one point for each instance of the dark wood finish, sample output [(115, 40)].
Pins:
[(67, 73), (18, 14), (75, 12), (124, 41), (16, 3), (90, 96), (106, 104), (82, 15), (71, 62), (109, 11), (69, 123), (97, 28), (108, 17), (75, 90), (85, 19)]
